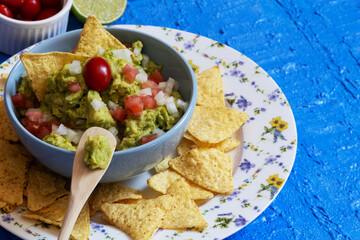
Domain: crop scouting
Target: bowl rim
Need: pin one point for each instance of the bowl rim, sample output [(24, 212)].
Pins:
[(40, 23), (184, 118)]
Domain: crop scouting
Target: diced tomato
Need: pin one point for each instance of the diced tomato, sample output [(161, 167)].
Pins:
[(130, 72), (43, 131), (148, 138), (32, 129), (29, 103), (18, 100), (34, 116), (156, 77), (74, 87), (134, 103), (137, 114), (54, 127), (155, 91), (118, 113), (148, 101), (149, 84)]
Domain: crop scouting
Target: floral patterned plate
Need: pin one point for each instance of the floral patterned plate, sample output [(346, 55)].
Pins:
[(269, 146)]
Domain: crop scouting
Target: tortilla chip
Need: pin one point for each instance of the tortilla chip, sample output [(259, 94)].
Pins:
[(141, 220), (111, 193), (210, 89), (162, 181), (44, 187), (207, 167), (215, 124), (39, 66), (94, 36), (186, 144), (163, 165), (54, 214), (7, 131), (184, 213), (13, 170), (2, 204), (9, 208)]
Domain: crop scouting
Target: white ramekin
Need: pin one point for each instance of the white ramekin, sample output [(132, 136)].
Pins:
[(15, 35)]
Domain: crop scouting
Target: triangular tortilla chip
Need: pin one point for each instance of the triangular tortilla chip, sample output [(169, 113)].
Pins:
[(111, 193), (215, 124), (163, 165), (43, 188), (94, 36), (13, 168), (162, 181), (207, 167), (210, 89), (140, 220), (2, 204), (7, 131), (39, 66), (189, 142), (184, 213), (54, 214)]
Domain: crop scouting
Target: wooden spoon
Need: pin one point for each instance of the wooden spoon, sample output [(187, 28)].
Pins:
[(83, 181)]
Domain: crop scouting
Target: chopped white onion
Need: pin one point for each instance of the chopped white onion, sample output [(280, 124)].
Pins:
[(54, 127), (169, 85), (137, 51), (70, 135), (145, 61), (170, 100), (117, 140), (183, 105), (159, 132), (62, 130), (77, 137), (162, 85), (146, 91), (123, 54), (101, 51), (46, 118), (113, 131), (75, 67), (111, 105), (160, 98), (171, 107), (141, 76), (97, 104)]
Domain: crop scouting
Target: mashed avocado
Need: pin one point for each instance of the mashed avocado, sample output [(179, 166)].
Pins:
[(76, 109), (97, 152), (57, 140)]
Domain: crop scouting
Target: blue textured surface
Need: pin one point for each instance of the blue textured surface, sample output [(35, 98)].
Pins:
[(312, 50)]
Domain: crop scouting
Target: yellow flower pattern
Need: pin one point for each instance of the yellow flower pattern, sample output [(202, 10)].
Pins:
[(279, 124), (275, 181)]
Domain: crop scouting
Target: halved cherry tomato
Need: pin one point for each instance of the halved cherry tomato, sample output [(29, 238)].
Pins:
[(156, 77), (30, 9), (4, 10), (18, 100), (118, 113), (50, 3), (148, 138), (74, 87), (134, 103), (148, 101), (97, 73), (46, 13), (130, 72), (12, 3)]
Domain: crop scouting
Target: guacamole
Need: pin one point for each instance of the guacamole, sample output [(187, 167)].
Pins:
[(97, 152), (136, 103)]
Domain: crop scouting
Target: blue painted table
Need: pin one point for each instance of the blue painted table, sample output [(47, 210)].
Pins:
[(312, 50)]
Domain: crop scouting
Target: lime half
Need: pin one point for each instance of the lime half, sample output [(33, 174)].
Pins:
[(107, 11)]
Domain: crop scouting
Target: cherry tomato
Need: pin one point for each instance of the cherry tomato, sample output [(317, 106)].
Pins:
[(46, 13), (30, 9), (12, 3), (4, 10), (50, 3), (97, 73)]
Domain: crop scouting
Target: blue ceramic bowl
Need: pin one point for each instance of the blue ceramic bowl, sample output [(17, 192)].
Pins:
[(126, 163)]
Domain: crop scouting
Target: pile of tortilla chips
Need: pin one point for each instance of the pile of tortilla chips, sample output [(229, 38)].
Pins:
[(201, 169)]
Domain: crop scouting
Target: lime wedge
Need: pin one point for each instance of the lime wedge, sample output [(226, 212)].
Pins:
[(107, 11)]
